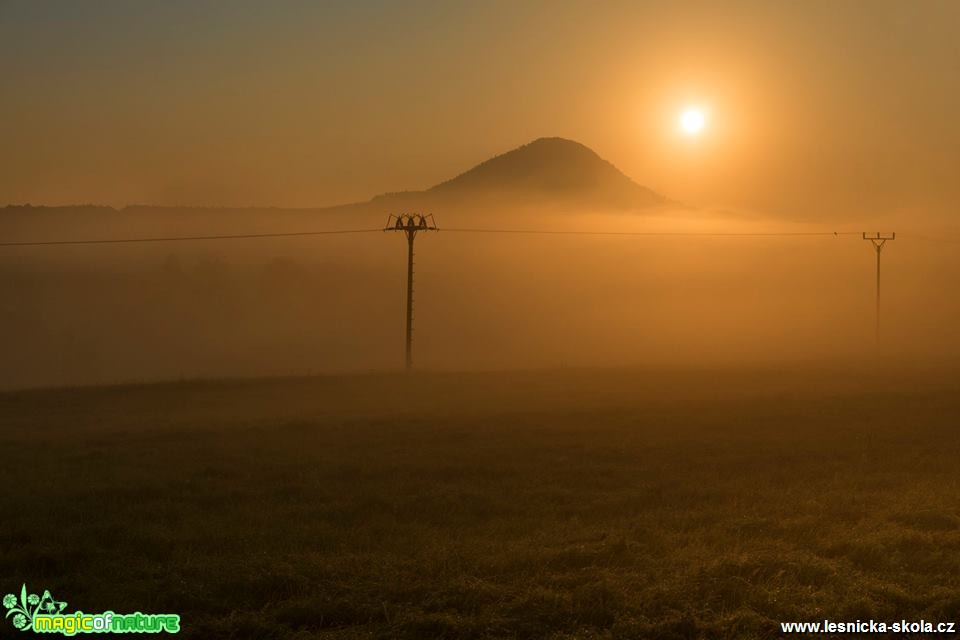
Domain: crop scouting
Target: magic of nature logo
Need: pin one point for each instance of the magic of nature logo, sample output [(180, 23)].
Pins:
[(44, 614)]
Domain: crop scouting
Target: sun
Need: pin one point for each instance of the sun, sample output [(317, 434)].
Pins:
[(692, 121)]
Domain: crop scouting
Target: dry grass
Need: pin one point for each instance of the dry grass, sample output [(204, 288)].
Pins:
[(567, 504)]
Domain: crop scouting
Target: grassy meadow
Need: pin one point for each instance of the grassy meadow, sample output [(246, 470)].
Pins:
[(565, 504)]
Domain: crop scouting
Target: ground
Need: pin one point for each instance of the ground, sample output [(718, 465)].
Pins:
[(566, 504)]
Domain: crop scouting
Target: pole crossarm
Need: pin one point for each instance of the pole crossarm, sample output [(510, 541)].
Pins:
[(879, 239), (411, 222)]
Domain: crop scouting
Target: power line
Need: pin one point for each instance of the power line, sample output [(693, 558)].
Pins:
[(569, 232), (732, 234), (238, 236), (947, 239), (243, 236)]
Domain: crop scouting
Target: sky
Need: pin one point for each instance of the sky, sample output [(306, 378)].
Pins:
[(827, 108)]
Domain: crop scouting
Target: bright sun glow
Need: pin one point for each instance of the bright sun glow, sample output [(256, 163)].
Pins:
[(692, 121)]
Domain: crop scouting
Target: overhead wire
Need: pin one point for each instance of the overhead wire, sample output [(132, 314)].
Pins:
[(235, 236), (651, 233), (479, 230)]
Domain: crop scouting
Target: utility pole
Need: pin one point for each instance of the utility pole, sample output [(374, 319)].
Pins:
[(410, 224), (878, 239)]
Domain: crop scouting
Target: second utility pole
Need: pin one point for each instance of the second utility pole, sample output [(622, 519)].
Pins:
[(878, 241)]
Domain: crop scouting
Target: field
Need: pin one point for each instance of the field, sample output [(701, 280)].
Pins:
[(565, 504)]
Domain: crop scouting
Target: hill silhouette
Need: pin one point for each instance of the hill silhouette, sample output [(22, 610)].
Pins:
[(552, 167)]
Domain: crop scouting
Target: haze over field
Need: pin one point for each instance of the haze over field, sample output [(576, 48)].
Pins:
[(326, 304)]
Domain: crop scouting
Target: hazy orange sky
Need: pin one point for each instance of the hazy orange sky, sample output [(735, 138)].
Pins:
[(834, 107)]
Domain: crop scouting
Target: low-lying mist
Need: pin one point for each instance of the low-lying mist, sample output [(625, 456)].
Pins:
[(95, 314)]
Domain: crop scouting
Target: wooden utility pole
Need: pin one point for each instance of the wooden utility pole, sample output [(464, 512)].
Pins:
[(878, 239), (410, 224)]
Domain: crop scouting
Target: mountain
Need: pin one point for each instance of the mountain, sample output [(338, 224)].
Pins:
[(552, 166), (554, 170)]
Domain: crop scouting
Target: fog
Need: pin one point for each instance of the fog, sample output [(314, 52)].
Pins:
[(93, 314)]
